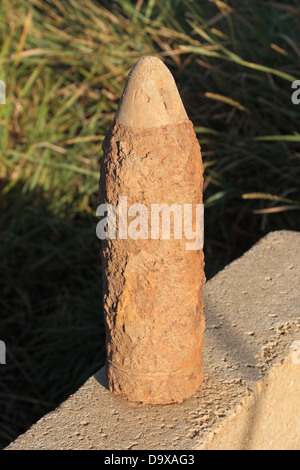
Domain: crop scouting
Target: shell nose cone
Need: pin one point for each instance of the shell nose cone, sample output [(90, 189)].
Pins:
[(150, 97)]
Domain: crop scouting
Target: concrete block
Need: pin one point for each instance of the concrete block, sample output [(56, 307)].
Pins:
[(249, 398)]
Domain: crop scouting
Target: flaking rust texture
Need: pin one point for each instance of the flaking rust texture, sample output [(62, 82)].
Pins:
[(153, 302)]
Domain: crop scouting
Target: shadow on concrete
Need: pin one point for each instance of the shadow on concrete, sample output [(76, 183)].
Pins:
[(101, 378), (227, 341)]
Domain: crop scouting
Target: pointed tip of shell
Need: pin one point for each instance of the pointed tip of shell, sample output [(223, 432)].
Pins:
[(150, 97)]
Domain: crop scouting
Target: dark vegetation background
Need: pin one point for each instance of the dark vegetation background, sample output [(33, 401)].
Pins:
[(65, 63)]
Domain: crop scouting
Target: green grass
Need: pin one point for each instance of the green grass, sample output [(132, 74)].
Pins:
[(65, 65)]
